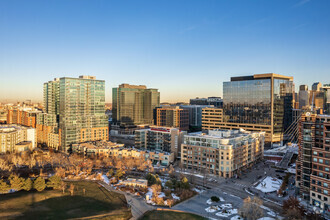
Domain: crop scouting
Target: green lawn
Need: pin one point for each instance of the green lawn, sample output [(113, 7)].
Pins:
[(157, 215), (52, 204)]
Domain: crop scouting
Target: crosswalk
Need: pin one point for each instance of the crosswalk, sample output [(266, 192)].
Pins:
[(241, 185)]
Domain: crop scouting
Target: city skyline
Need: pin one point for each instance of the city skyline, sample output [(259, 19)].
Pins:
[(184, 49)]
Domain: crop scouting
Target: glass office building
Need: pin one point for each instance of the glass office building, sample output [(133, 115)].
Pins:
[(79, 107), (134, 104), (259, 102)]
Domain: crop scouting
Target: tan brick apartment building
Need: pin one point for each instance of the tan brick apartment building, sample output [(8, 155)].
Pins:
[(222, 152)]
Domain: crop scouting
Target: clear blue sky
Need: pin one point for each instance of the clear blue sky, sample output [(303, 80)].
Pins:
[(183, 48)]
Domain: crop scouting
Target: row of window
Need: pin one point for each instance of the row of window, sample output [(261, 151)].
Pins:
[(326, 162), (319, 183), (319, 190)]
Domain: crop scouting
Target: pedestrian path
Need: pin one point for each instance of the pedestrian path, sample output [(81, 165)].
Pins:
[(137, 204)]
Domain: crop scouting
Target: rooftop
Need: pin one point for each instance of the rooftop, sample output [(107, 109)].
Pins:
[(261, 76)]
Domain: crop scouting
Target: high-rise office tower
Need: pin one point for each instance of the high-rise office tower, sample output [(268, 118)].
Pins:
[(262, 102), (134, 105), (303, 96), (78, 105), (317, 86), (326, 90)]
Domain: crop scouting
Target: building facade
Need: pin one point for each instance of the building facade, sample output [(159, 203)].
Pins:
[(134, 105), (222, 152), (326, 90), (160, 139), (262, 102), (16, 138), (22, 116), (313, 163), (77, 107), (172, 116), (111, 149), (215, 101), (303, 97), (195, 115), (212, 118)]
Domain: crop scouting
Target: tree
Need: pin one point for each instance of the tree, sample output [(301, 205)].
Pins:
[(16, 182), (151, 179), (54, 182), (4, 187), (156, 189), (215, 199), (110, 173), (251, 208), (159, 200), (71, 189), (169, 184), (170, 202), (119, 174), (39, 184), (63, 186), (292, 207), (28, 184), (185, 183), (171, 171)]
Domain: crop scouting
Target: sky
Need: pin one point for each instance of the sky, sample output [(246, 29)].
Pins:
[(184, 48)]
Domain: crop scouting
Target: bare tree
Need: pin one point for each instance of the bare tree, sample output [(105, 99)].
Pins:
[(251, 209), (71, 189), (63, 186)]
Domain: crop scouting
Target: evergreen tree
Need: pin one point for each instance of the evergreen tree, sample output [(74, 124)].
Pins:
[(119, 174), (54, 182), (39, 184), (4, 187), (28, 184), (16, 182), (185, 183)]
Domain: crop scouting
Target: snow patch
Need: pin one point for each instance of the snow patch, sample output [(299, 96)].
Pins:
[(175, 196), (227, 213), (269, 184), (236, 217)]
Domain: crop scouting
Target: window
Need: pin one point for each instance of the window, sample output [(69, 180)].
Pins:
[(315, 159), (325, 185), (320, 160), (315, 152), (325, 192)]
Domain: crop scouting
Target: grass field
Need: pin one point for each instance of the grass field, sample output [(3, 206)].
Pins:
[(52, 204), (156, 215)]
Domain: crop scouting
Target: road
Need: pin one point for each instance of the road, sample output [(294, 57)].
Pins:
[(239, 187)]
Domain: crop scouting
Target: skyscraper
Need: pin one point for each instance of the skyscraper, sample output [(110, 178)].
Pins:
[(262, 102), (317, 86), (134, 105), (78, 104), (303, 96)]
